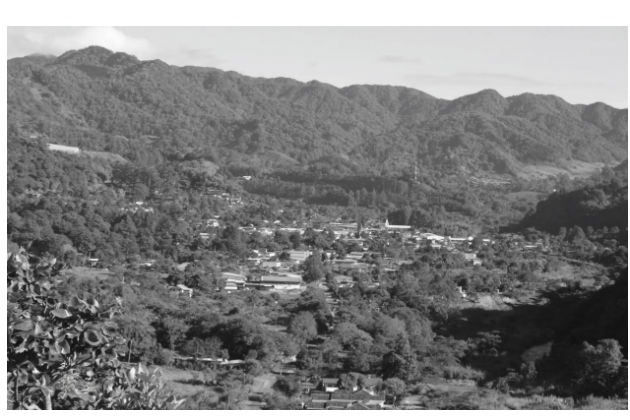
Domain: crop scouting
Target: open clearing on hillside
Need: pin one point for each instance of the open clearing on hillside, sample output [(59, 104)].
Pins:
[(572, 168), (88, 273)]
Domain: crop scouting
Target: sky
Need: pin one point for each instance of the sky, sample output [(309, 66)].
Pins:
[(580, 64)]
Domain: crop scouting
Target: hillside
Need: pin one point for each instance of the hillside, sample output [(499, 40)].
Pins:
[(148, 110), (601, 203)]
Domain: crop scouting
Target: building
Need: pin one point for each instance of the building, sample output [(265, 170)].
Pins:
[(471, 257), (271, 264), (233, 281), (460, 241), (361, 396), (277, 281), (339, 400), (330, 385), (387, 226), (355, 255), (64, 149), (299, 256), (213, 223), (182, 289), (343, 281), (345, 263)]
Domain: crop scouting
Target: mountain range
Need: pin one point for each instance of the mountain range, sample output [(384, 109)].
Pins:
[(148, 110)]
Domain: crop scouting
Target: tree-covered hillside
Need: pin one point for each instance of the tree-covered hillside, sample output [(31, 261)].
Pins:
[(106, 101), (601, 203)]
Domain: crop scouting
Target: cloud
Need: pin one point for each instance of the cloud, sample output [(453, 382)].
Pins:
[(400, 59), (58, 40)]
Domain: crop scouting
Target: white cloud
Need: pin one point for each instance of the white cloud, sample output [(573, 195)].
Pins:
[(51, 41)]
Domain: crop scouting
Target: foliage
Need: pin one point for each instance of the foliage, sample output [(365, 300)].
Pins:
[(63, 354)]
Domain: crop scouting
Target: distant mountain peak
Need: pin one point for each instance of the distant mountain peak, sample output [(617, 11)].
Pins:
[(487, 101), (96, 56)]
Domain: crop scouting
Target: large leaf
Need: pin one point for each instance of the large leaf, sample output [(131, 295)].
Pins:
[(62, 347), (25, 325), (61, 313)]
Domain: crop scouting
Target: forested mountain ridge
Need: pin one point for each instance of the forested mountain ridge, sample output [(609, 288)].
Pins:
[(148, 110)]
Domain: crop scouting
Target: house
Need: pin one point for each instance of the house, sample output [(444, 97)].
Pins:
[(279, 281), (343, 281), (233, 281), (330, 384), (471, 257), (147, 263), (299, 256), (357, 255), (271, 264), (359, 406), (212, 223), (349, 396), (316, 405), (431, 237), (185, 290), (339, 400), (345, 263), (307, 386)]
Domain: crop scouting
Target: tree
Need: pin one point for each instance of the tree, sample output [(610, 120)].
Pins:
[(288, 386), (313, 268), (303, 326), (139, 192), (598, 369), (348, 381), (398, 365), (296, 239), (394, 388), (310, 359), (63, 354)]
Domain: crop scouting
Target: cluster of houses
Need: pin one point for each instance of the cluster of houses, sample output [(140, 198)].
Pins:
[(327, 395), (266, 272), (280, 271)]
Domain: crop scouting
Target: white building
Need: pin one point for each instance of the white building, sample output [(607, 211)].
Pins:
[(278, 281), (65, 149), (387, 226), (233, 281)]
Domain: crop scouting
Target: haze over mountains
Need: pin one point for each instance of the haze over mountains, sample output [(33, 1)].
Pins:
[(101, 100)]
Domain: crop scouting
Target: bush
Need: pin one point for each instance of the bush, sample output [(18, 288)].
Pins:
[(63, 354), (288, 386)]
